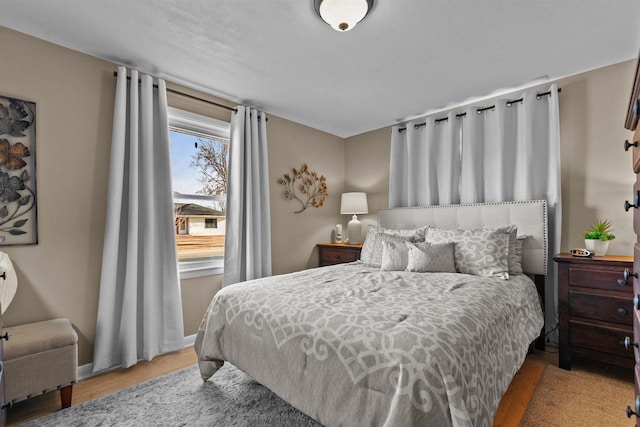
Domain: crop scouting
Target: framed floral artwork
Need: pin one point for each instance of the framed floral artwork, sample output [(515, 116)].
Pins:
[(18, 213)]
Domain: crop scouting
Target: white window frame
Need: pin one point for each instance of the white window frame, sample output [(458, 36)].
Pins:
[(207, 127)]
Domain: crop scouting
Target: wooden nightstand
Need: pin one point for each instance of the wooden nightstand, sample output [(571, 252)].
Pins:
[(595, 309), (338, 253)]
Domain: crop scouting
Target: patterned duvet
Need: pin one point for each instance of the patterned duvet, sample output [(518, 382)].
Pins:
[(350, 345)]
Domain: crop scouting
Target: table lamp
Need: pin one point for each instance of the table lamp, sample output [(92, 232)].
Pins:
[(353, 204)]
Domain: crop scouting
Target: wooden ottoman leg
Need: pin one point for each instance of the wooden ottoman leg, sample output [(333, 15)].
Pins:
[(65, 396)]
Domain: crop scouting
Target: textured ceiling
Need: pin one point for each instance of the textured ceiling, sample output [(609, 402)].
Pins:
[(406, 58)]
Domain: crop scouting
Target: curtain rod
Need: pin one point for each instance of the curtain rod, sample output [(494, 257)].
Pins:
[(115, 74), (480, 110)]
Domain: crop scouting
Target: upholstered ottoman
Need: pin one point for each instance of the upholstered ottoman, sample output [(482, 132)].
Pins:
[(40, 357)]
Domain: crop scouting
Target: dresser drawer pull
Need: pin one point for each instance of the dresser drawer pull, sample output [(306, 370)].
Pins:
[(628, 144), (636, 302), (630, 412), (622, 311), (636, 202), (628, 273), (628, 344)]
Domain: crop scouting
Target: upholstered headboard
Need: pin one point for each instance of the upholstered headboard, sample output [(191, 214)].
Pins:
[(529, 216)]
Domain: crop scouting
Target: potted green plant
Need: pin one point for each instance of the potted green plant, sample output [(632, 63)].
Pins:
[(598, 236)]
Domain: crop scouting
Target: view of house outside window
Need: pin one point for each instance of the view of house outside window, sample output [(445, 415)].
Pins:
[(199, 154)]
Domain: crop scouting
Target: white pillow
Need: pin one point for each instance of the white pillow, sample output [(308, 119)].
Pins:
[(394, 255), (431, 257), (416, 234), (482, 252), (372, 248)]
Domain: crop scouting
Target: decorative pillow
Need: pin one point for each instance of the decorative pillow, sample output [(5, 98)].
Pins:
[(482, 252), (416, 234), (372, 248), (394, 255), (513, 261), (431, 257), (516, 267)]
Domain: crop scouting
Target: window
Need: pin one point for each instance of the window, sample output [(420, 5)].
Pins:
[(199, 156)]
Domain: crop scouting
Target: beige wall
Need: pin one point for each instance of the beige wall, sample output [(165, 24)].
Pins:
[(294, 236), (367, 160), (60, 276), (596, 172)]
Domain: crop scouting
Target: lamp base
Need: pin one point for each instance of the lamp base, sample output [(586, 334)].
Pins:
[(354, 230)]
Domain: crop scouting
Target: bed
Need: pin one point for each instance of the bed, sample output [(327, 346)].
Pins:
[(360, 345)]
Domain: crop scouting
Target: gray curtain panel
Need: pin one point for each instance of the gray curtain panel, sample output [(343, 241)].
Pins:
[(509, 152), (139, 309), (247, 253)]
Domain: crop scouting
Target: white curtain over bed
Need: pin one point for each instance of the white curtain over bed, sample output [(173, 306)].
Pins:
[(247, 253), (139, 309), (509, 152)]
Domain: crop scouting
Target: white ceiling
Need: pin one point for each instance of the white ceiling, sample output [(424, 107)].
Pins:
[(406, 58)]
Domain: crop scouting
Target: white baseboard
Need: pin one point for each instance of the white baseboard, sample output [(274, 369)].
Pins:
[(86, 371), (189, 341)]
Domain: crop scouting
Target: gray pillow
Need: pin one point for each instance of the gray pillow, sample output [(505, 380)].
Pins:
[(431, 257), (482, 252), (515, 267), (513, 260)]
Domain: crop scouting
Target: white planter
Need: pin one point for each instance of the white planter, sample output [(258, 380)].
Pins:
[(597, 247)]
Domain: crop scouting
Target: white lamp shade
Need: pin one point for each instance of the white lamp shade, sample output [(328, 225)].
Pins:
[(343, 15), (8, 284), (354, 203)]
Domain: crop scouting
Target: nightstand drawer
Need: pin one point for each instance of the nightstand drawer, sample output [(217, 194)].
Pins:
[(608, 278), (338, 253), (338, 256), (604, 339), (600, 307)]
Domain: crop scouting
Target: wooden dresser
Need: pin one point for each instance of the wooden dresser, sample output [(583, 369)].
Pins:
[(631, 123), (338, 253), (595, 309)]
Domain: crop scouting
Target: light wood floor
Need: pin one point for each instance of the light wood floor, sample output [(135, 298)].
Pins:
[(510, 412)]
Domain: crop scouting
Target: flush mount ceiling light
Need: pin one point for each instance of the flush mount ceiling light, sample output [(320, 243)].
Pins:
[(342, 15)]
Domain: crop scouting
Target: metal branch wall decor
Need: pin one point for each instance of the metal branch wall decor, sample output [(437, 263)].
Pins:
[(18, 219), (312, 188)]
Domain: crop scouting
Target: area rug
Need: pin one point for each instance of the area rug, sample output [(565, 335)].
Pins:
[(232, 398), (579, 398), (181, 398)]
